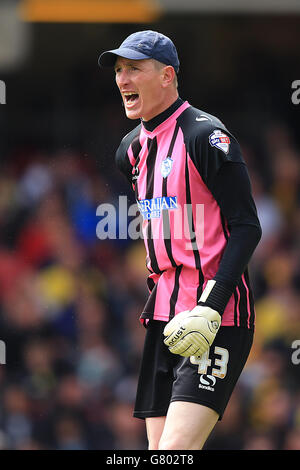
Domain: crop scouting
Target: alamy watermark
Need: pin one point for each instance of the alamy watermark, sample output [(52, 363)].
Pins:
[(169, 220), (296, 353), (296, 94), (2, 92), (2, 352)]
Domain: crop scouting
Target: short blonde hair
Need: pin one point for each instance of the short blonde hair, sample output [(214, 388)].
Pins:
[(159, 65)]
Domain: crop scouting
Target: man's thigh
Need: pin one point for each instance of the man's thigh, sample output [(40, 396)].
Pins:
[(154, 428), (187, 426)]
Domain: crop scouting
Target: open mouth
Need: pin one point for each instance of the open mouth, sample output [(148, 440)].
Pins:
[(131, 98)]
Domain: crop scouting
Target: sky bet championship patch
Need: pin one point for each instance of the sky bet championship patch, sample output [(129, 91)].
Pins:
[(220, 140)]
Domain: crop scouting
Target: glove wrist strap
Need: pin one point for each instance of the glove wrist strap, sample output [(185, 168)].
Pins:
[(215, 296)]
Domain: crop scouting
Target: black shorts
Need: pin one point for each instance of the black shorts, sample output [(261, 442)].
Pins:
[(166, 377)]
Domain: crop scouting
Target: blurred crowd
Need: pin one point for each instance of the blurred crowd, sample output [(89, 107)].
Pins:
[(70, 304)]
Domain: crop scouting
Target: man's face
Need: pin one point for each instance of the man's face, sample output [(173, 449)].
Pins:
[(141, 85)]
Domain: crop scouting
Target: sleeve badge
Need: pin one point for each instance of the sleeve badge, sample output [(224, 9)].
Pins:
[(219, 140)]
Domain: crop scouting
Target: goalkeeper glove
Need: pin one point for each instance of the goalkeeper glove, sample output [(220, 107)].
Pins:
[(192, 332)]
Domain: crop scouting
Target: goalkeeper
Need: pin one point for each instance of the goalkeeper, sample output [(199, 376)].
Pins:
[(200, 229)]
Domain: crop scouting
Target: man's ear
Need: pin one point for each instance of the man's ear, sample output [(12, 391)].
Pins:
[(168, 75)]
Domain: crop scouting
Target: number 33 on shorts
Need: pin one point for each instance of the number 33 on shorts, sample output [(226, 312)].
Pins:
[(219, 368)]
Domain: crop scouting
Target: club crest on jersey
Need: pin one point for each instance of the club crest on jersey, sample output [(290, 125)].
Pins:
[(166, 167), (220, 140)]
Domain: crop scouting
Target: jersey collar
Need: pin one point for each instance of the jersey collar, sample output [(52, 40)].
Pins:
[(160, 118)]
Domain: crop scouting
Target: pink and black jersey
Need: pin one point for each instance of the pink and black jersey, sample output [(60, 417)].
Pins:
[(199, 219)]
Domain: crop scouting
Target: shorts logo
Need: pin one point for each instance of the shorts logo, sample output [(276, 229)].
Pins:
[(166, 167), (207, 382), (220, 140)]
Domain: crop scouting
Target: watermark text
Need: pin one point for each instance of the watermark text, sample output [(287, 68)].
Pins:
[(2, 352), (2, 92), (155, 219), (296, 93), (296, 353)]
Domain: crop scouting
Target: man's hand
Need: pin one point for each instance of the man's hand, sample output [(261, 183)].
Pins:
[(192, 332)]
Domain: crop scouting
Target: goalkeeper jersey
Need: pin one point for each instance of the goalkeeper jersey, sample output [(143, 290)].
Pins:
[(174, 164)]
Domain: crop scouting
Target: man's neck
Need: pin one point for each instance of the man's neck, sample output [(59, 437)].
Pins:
[(161, 117)]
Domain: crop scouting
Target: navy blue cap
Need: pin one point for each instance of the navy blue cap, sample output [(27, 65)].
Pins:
[(143, 45)]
